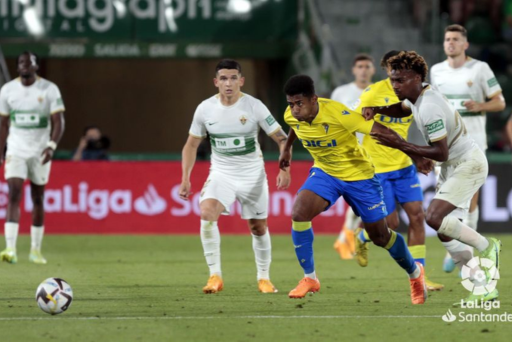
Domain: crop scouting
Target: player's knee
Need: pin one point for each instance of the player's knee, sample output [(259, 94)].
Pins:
[(38, 200), (392, 221), (379, 239), (208, 214), (417, 218), (298, 216), (14, 195), (434, 220), (258, 229)]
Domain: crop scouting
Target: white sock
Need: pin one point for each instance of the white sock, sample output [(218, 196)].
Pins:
[(310, 275), (262, 254), (472, 219), (36, 237), (457, 230), (210, 238), (416, 273), (342, 237), (460, 253), (11, 234)]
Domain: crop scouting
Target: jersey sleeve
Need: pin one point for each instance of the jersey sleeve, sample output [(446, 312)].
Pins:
[(434, 122), (489, 82), (198, 128), (55, 98), (4, 105), (265, 119), (354, 122)]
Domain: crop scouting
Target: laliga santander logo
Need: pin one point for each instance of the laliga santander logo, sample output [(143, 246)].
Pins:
[(449, 317), (479, 283)]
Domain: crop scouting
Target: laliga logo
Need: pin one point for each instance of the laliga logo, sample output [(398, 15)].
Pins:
[(480, 284)]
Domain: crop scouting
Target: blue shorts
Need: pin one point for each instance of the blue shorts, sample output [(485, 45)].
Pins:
[(402, 185), (365, 196)]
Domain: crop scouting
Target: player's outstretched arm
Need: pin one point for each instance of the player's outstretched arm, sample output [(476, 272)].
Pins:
[(4, 131), (56, 135), (188, 159), (397, 110), (284, 177)]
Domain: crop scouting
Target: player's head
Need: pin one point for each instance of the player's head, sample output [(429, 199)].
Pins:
[(27, 64), (363, 68), (301, 97), (408, 72), (384, 60), (228, 78), (455, 41)]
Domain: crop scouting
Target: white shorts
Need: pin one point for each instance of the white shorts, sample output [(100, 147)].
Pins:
[(31, 168), (460, 179), (475, 125), (251, 190)]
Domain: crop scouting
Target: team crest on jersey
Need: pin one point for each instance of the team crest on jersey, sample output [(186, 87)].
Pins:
[(470, 83), (326, 127), (298, 126), (40, 99), (386, 99), (243, 119)]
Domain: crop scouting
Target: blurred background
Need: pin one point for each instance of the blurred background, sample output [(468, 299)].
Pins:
[(137, 69)]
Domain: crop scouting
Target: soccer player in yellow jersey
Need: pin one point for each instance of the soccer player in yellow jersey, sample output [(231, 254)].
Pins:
[(342, 167), (396, 173)]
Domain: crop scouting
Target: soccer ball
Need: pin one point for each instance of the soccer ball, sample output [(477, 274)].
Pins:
[(54, 296)]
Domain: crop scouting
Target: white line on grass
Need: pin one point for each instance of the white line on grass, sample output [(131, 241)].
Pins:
[(64, 318)]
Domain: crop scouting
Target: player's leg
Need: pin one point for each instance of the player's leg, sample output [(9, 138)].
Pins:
[(252, 193), (39, 175), (317, 194), (217, 196), (15, 174), (345, 243), (366, 199), (474, 212)]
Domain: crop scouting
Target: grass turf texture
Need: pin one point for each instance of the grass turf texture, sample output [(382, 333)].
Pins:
[(148, 288)]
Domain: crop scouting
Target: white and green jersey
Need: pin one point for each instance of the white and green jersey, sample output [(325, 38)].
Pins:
[(472, 81), (437, 119), (29, 109), (233, 131)]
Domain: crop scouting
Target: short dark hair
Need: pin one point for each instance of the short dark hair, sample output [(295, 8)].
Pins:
[(388, 55), (30, 53), (362, 57), (228, 64), (300, 85), (410, 60), (457, 28)]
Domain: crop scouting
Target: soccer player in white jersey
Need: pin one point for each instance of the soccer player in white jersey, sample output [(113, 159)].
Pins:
[(233, 119), (464, 166), (472, 88), (32, 123), (348, 94)]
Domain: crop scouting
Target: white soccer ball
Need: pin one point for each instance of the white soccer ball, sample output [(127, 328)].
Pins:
[(54, 296)]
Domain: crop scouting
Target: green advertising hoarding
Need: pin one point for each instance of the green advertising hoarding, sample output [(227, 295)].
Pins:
[(152, 28)]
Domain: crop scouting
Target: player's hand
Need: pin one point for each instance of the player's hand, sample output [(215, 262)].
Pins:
[(473, 106), (284, 179), (285, 159), (390, 138), (185, 190), (47, 155), (423, 165), (368, 113)]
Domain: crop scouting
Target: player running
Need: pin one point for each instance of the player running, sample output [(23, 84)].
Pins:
[(342, 168), (397, 175), (464, 166), (348, 94), (232, 119), (473, 90), (32, 124)]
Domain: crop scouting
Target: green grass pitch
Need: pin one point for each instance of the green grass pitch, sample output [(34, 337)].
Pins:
[(148, 288)]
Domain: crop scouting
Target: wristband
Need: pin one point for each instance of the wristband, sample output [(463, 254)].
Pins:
[(52, 144)]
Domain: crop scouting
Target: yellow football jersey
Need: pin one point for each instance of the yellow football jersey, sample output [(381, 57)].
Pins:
[(331, 141), (384, 158)]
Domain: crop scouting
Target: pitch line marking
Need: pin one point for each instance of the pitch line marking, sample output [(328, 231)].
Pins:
[(201, 317)]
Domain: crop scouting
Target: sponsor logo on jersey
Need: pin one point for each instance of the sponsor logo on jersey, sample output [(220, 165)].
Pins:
[(389, 119), (318, 143)]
